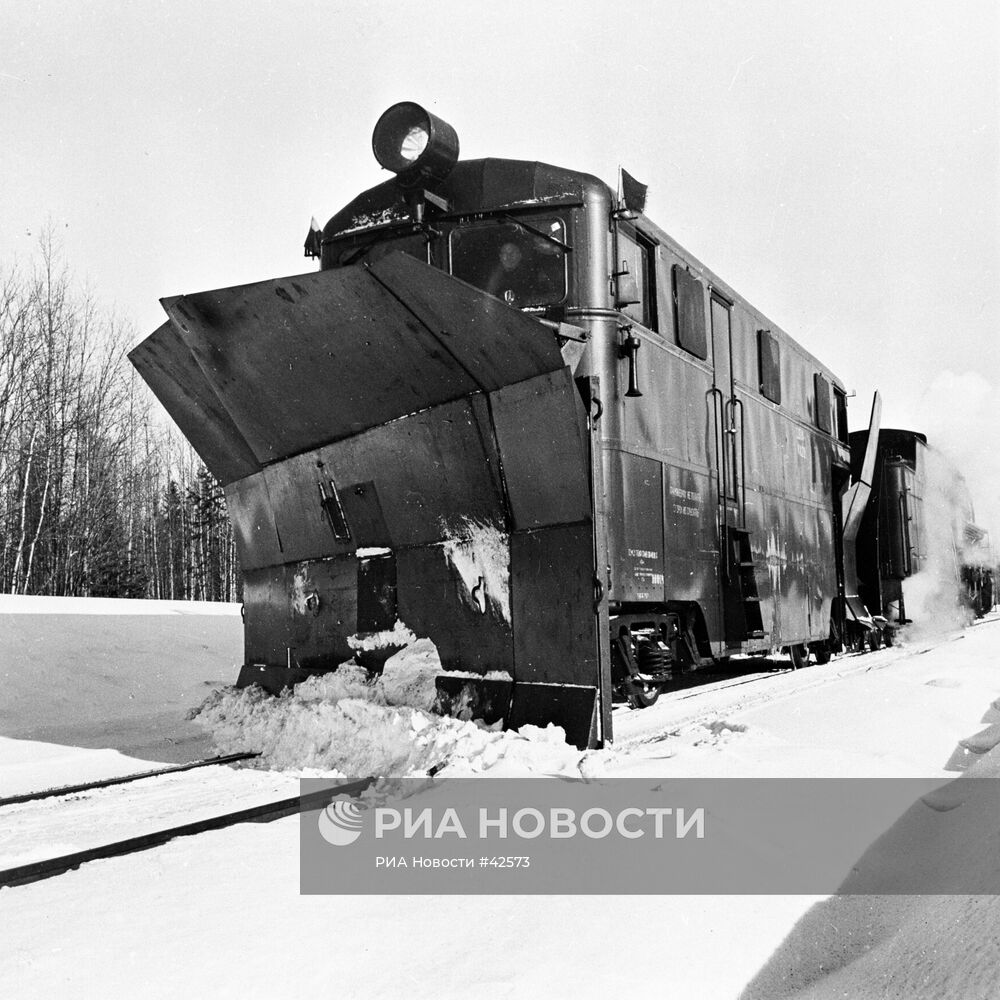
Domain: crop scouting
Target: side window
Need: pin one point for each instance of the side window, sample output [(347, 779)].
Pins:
[(637, 257), (841, 401), (769, 365), (823, 418), (689, 301)]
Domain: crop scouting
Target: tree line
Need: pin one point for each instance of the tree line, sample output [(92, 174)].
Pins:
[(99, 495)]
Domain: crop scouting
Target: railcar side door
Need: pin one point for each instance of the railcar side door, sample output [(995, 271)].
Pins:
[(740, 608)]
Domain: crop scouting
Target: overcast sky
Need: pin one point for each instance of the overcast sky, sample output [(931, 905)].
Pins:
[(837, 163)]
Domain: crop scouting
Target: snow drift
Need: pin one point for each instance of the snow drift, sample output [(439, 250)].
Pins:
[(875, 939), (352, 724)]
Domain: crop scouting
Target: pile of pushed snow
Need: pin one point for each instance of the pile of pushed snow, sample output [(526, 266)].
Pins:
[(398, 635), (408, 677), (354, 725)]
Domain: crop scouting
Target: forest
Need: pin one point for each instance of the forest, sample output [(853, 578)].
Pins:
[(100, 496)]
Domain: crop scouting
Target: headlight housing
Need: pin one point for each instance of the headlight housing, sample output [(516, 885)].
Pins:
[(414, 144)]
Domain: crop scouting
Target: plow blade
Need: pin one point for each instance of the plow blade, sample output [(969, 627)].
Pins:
[(396, 446), (855, 502), (297, 362)]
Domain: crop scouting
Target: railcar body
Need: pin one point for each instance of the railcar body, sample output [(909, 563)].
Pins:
[(523, 421), (891, 542), (899, 533)]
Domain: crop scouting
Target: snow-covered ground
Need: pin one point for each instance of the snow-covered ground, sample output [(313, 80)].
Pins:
[(106, 672), (221, 914)]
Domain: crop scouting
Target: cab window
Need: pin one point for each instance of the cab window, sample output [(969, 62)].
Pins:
[(636, 258), (521, 266), (371, 247)]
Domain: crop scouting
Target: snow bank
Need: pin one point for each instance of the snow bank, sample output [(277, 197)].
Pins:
[(892, 947), (866, 942), (109, 673), (31, 765), (31, 604)]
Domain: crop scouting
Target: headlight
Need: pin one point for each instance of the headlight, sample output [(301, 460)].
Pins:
[(413, 143)]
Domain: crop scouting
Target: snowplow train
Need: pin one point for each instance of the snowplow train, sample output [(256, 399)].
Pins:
[(511, 414)]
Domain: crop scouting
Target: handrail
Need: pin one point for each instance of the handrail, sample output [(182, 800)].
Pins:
[(734, 402), (722, 485), (904, 530)]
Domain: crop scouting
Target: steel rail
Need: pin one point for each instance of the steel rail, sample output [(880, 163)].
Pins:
[(36, 871), (50, 793)]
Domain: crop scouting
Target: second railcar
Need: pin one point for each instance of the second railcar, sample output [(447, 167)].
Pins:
[(891, 543), (911, 525)]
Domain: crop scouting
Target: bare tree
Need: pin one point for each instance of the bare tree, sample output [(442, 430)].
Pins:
[(97, 494)]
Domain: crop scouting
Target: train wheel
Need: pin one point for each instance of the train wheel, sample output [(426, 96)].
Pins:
[(856, 642), (799, 655), (641, 695), (822, 652)]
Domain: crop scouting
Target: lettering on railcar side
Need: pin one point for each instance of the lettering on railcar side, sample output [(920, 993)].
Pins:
[(682, 494)]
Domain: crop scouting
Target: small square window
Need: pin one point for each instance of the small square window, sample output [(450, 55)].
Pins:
[(841, 401), (824, 419), (689, 297), (769, 365), (636, 257)]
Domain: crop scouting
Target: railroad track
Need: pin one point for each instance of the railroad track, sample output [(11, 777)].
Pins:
[(261, 812), (690, 706), (674, 717), (87, 786)]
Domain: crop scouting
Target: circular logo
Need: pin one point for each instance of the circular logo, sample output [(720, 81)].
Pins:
[(340, 822)]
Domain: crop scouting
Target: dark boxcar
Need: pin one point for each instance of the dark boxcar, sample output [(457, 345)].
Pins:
[(519, 419), (897, 538), (891, 545)]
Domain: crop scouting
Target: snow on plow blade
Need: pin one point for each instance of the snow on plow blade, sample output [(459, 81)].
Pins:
[(396, 446)]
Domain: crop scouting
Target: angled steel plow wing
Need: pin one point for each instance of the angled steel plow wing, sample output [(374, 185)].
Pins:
[(396, 445)]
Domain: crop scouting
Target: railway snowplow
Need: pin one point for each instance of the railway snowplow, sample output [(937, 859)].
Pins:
[(397, 446)]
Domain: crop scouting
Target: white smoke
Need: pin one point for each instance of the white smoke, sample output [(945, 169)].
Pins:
[(933, 596), (962, 421), (963, 484)]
